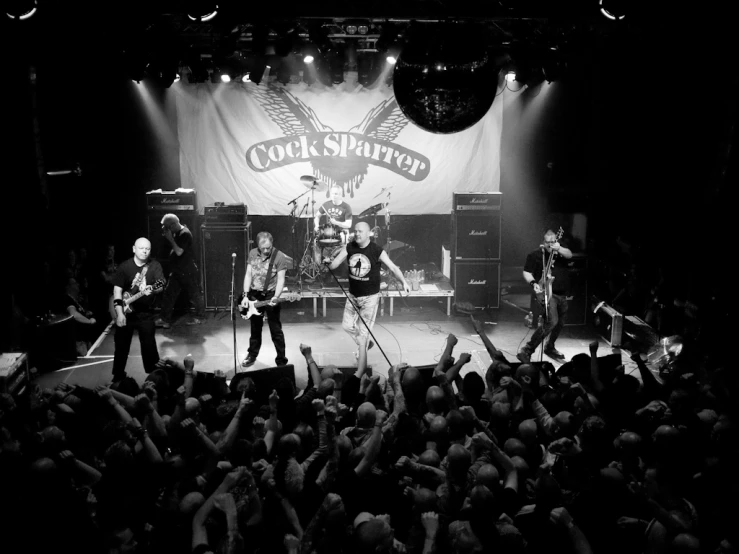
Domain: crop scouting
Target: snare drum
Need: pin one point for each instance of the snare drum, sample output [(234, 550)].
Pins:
[(328, 235)]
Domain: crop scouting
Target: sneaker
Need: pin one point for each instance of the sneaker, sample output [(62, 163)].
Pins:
[(195, 321), (161, 323), (281, 362), (524, 357), (249, 361), (554, 353)]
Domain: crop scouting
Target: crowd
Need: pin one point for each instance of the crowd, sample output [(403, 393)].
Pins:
[(522, 460)]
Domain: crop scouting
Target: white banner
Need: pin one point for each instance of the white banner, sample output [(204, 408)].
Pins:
[(252, 143)]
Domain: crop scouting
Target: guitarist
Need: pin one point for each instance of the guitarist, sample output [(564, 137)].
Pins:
[(136, 275), (549, 252), (265, 280)]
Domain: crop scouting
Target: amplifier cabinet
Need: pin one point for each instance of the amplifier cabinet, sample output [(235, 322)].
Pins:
[(476, 236), (218, 245), (477, 283)]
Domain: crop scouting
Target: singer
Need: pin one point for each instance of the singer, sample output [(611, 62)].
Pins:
[(533, 272), (265, 280), (184, 273)]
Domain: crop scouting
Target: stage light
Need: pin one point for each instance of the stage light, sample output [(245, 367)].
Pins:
[(21, 9), (245, 78), (510, 76), (308, 59), (615, 10), (350, 29), (225, 78), (363, 29), (392, 60), (202, 10), (177, 78)]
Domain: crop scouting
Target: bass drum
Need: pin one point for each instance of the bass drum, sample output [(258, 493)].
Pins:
[(328, 235)]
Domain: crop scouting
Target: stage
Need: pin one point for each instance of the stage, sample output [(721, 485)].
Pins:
[(415, 334)]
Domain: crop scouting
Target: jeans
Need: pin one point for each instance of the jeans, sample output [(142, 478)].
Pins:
[(367, 306), (275, 327), (144, 324), (551, 326), (189, 281)]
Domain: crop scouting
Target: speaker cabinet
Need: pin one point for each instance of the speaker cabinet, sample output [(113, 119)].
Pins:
[(476, 236), (218, 245), (477, 283)]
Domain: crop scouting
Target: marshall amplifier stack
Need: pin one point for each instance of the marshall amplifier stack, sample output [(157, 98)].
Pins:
[(182, 203), (476, 248)]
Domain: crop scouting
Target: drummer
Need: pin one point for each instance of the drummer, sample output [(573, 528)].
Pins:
[(332, 222), (334, 212)]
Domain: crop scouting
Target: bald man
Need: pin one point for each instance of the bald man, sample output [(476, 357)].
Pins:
[(136, 275), (184, 274), (363, 257)]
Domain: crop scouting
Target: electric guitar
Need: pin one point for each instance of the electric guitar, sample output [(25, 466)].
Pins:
[(129, 299), (254, 306), (546, 277)]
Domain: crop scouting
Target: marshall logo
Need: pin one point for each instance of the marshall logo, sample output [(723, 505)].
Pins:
[(474, 233), (170, 201), (479, 201), (337, 157), (477, 282)]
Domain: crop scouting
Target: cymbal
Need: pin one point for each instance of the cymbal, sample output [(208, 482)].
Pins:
[(372, 210), (309, 181)]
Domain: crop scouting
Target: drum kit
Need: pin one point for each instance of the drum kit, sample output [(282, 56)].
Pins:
[(329, 235)]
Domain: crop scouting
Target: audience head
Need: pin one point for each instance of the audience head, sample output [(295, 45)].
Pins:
[(459, 459), (564, 425), (373, 535), (326, 388), (473, 387), (489, 476), (435, 402), (514, 447), (412, 384), (527, 431), (366, 415), (430, 458)]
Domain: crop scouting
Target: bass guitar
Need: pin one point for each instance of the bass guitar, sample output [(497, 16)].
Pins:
[(254, 306), (129, 299), (546, 277)]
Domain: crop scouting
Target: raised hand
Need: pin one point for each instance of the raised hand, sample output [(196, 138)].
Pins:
[(318, 405), (404, 462), (244, 403), (273, 400), (66, 457), (225, 502), (476, 325), (305, 350), (332, 401), (380, 417), (332, 502), (150, 390), (560, 516), (483, 440), (292, 543), (430, 521), (188, 425), (219, 374), (105, 394), (593, 347), (189, 363), (468, 410), (205, 398), (331, 414), (451, 340), (258, 423), (143, 404), (233, 477)]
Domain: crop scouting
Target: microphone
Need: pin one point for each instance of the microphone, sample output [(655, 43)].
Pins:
[(542, 246), (233, 259)]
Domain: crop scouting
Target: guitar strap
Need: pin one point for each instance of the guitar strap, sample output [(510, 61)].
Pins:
[(269, 270)]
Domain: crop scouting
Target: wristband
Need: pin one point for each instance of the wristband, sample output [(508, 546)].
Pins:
[(118, 302), (532, 283)]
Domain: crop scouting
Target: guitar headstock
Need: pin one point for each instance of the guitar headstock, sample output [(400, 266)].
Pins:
[(560, 233), (158, 284)]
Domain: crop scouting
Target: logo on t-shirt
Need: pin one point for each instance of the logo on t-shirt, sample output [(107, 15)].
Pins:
[(139, 282), (359, 267)]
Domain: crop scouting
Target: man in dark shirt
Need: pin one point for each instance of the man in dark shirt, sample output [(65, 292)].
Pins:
[(184, 272), (363, 257), (137, 274), (259, 286), (557, 295), (332, 222)]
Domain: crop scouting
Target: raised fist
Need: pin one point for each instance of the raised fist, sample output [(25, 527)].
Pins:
[(404, 462), (452, 340), (430, 521), (318, 405), (305, 350), (273, 400), (465, 357)]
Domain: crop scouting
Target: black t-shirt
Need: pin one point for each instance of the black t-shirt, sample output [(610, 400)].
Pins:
[(342, 212), (129, 278), (535, 265), (183, 239), (364, 268)]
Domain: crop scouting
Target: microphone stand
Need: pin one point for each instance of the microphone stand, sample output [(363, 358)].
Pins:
[(233, 307), (546, 303)]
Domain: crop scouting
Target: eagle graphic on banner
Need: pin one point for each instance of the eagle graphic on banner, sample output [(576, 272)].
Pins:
[(294, 117)]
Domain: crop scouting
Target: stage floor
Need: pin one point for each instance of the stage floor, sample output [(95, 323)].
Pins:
[(415, 334)]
